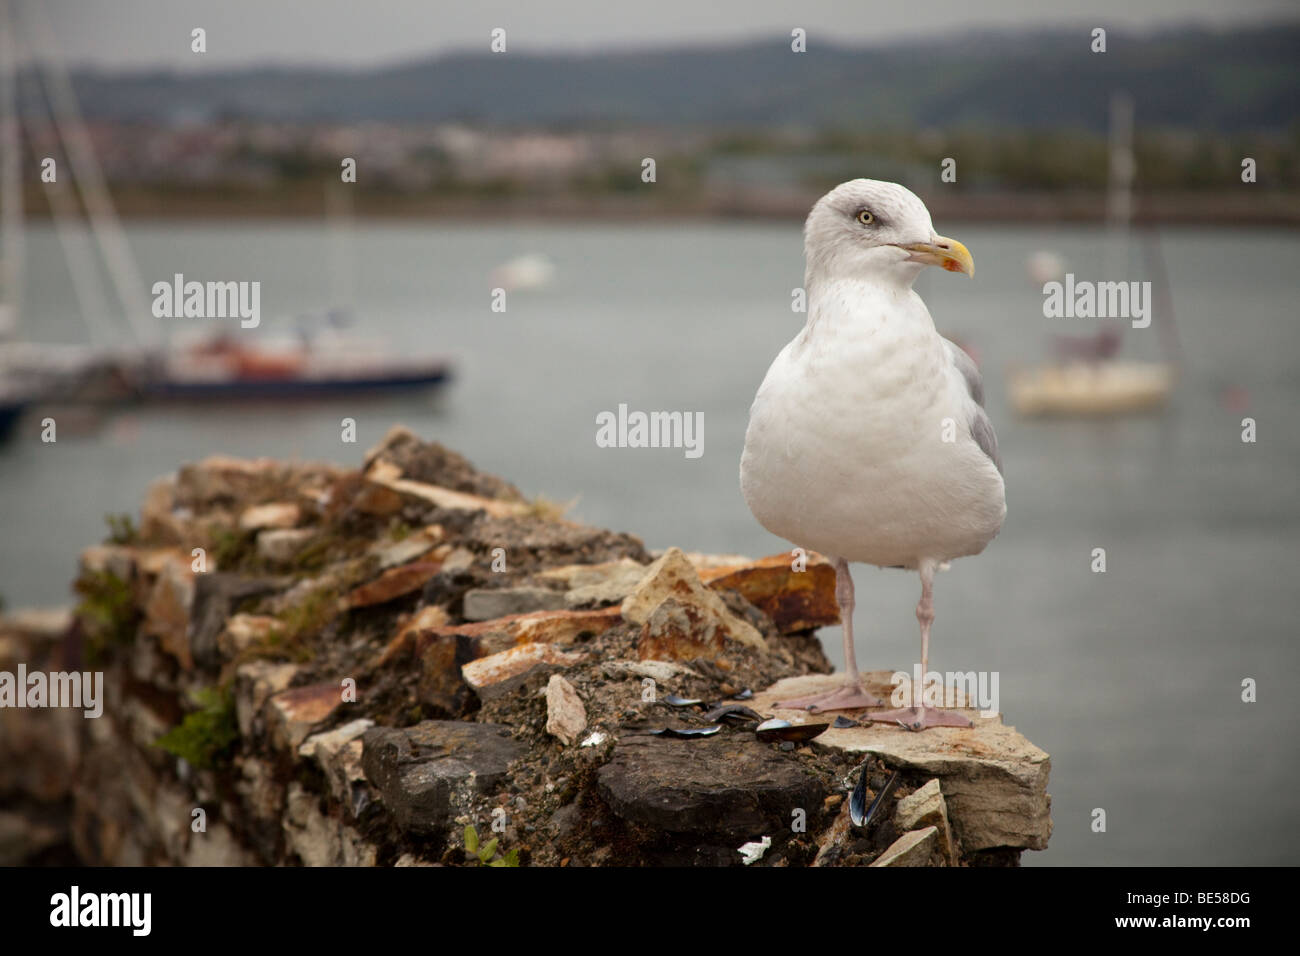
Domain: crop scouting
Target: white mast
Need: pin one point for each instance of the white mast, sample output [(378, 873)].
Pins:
[(118, 258), (1119, 194), (11, 185), (87, 283), (343, 272)]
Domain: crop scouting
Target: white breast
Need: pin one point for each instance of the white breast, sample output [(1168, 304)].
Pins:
[(847, 451)]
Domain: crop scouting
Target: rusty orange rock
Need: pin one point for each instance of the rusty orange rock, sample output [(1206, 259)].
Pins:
[(542, 627), (680, 631), (393, 584), (499, 674), (292, 713), (794, 600)]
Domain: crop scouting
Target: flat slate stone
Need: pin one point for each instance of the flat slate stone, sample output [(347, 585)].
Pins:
[(216, 594), (485, 604), (911, 849), (421, 771), (730, 786), (994, 781)]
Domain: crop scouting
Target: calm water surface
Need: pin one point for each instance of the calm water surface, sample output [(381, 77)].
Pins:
[(1129, 679)]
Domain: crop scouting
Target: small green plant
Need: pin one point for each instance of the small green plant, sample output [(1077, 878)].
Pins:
[(107, 612), (231, 548), (483, 855), (292, 637), (316, 553), (206, 735), (548, 510), (121, 529), (309, 616)]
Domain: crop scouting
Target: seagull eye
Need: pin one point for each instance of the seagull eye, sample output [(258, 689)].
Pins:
[(866, 218)]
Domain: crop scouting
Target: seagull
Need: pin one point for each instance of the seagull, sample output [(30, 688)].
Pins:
[(868, 439)]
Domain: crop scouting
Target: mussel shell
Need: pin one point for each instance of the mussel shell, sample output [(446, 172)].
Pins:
[(859, 812), (737, 712), (778, 729), (687, 733), (843, 723), (858, 799), (672, 700)]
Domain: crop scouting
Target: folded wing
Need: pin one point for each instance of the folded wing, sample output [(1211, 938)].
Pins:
[(981, 429)]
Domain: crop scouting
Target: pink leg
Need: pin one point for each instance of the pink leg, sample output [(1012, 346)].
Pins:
[(918, 716), (852, 695)]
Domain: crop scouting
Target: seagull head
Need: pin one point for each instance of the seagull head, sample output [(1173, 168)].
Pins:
[(869, 229)]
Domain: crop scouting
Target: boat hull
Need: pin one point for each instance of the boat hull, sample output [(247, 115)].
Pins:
[(10, 413), (1091, 390), (292, 388)]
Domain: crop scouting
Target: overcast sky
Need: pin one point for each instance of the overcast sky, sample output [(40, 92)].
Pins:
[(150, 33)]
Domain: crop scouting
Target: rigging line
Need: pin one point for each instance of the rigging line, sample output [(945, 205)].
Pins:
[(122, 267), (12, 252), (87, 282), (1163, 306)]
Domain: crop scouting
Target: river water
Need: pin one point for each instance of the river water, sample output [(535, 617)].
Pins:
[(1130, 679)]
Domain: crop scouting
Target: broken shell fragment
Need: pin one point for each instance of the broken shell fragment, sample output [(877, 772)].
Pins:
[(753, 851), (672, 700), (858, 799), (736, 712), (844, 723), (778, 729), (686, 733), (859, 812), (745, 694)]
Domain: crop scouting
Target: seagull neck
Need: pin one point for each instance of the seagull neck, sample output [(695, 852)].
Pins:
[(854, 302)]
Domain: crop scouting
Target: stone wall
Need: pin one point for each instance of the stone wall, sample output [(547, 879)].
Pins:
[(310, 665)]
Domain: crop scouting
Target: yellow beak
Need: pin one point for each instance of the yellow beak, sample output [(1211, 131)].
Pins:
[(942, 251)]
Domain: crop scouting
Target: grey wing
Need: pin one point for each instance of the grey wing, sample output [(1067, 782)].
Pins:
[(968, 369), (981, 429)]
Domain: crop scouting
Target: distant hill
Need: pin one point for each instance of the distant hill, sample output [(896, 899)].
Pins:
[(1193, 79)]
